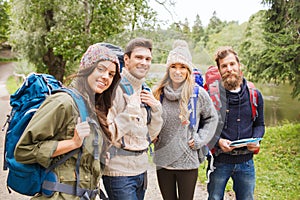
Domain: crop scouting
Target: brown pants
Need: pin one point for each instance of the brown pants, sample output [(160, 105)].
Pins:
[(169, 180)]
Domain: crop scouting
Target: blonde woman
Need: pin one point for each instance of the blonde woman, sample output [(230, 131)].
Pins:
[(176, 150)]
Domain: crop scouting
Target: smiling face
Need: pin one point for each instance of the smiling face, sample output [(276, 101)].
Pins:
[(138, 64), (178, 74), (230, 72), (102, 76)]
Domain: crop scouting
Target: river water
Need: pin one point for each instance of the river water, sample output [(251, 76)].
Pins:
[(279, 105)]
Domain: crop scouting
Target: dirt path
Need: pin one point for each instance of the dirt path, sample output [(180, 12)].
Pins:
[(5, 71), (152, 193)]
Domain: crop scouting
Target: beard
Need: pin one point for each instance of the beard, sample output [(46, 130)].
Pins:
[(231, 80)]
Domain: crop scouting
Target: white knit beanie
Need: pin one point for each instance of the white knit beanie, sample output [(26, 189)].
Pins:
[(180, 54)]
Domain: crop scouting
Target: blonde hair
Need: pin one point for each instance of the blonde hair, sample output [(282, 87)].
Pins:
[(186, 93)]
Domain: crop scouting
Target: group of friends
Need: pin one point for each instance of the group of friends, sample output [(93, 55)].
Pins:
[(121, 126)]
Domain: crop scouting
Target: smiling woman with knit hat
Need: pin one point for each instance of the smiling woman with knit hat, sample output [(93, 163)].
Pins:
[(56, 129), (176, 150)]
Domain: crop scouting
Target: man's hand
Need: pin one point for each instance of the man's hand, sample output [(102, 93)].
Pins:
[(253, 147), (148, 98), (224, 145)]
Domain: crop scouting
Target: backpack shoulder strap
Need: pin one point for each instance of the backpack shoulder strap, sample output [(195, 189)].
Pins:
[(146, 87), (78, 101), (193, 106), (161, 97), (212, 80), (253, 99), (148, 108), (128, 89), (126, 86), (214, 93)]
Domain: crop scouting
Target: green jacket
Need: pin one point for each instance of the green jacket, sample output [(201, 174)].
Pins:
[(54, 121)]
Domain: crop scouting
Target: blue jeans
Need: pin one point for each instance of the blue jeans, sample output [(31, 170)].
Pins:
[(243, 176), (125, 187)]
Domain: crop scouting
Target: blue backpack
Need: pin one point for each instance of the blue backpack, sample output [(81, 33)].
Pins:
[(30, 179), (198, 76)]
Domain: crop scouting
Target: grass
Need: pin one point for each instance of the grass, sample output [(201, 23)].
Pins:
[(4, 60), (277, 164)]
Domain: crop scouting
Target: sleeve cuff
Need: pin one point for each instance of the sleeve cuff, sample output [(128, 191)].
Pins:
[(45, 152)]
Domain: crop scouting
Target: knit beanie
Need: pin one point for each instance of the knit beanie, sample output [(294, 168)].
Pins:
[(95, 53), (180, 54)]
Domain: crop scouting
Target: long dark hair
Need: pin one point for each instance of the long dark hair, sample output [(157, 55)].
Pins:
[(102, 102)]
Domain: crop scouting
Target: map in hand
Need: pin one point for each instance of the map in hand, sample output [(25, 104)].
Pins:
[(244, 142)]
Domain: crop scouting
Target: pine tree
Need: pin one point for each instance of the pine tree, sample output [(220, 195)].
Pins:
[(280, 60)]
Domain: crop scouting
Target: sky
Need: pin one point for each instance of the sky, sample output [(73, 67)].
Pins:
[(227, 10)]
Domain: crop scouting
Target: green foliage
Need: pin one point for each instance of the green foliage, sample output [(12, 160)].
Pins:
[(186, 28), (54, 34), (277, 164), (4, 19), (13, 83), (215, 26), (230, 35), (151, 82), (279, 60), (252, 45), (201, 56), (24, 67), (21, 70), (197, 34)]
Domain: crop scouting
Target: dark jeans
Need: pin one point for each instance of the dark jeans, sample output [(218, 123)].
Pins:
[(125, 187), (243, 176), (169, 180)]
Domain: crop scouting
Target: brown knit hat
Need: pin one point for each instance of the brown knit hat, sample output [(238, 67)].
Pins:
[(180, 54), (95, 53)]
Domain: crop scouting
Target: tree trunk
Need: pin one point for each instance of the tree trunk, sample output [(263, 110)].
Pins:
[(56, 65)]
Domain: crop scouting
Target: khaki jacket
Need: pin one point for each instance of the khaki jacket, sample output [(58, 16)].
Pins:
[(54, 121)]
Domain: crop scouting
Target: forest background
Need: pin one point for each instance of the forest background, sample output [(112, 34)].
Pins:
[(50, 36)]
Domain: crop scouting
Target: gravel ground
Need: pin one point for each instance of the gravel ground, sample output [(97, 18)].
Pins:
[(152, 193), (5, 71)]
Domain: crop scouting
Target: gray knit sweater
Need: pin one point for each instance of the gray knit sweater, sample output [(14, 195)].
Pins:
[(171, 149)]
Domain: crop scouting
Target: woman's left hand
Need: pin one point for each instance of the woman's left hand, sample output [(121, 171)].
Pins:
[(191, 143)]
